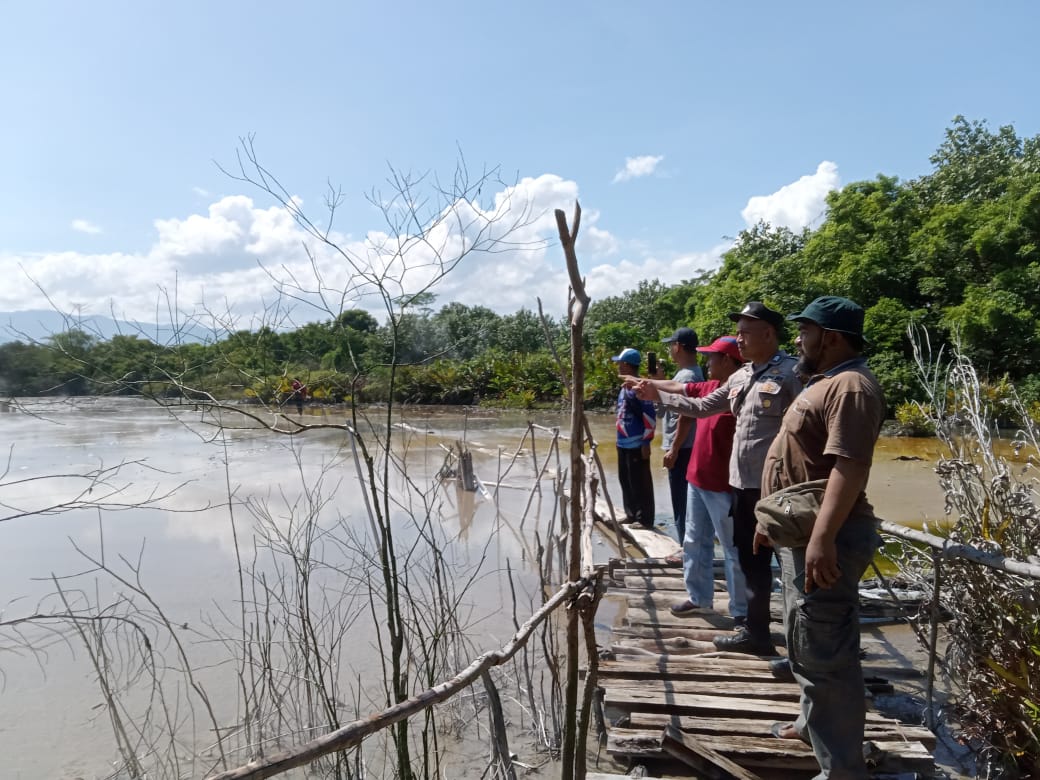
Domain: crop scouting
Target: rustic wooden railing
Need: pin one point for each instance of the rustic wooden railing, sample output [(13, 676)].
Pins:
[(943, 549), (352, 734)]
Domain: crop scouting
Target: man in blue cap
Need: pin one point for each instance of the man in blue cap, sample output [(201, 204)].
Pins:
[(828, 433), (636, 422)]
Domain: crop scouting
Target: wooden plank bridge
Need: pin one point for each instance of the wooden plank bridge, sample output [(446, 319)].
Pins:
[(682, 709)]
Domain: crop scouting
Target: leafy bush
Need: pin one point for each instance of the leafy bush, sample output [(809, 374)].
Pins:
[(914, 419)]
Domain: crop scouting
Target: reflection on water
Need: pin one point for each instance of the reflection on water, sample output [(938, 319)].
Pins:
[(52, 724)]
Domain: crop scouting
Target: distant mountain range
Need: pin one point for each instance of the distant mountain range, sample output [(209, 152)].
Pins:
[(37, 325)]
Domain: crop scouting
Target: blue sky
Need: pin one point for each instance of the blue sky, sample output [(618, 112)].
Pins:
[(676, 124)]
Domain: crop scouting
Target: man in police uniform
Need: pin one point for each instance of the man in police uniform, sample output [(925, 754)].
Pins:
[(757, 394), (829, 433)]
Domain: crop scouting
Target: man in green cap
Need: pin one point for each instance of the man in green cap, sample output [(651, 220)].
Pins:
[(828, 433)]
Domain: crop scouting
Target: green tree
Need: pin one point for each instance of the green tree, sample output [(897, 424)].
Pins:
[(465, 330), (973, 163), (523, 332), (25, 369), (70, 362), (749, 272), (125, 363), (638, 308)]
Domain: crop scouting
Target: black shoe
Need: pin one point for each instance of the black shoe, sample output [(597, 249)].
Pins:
[(743, 642), (781, 668), (740, 621), (687, 609)]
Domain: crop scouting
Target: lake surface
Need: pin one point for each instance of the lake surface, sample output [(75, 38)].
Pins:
[(53, 721)]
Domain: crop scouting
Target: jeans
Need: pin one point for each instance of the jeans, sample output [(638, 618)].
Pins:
[(708, 512), (677, 486), (822, 630)]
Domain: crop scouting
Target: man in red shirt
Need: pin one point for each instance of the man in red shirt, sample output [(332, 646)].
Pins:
[(708, 496)]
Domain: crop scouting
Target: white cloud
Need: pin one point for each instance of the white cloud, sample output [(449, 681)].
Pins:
[(795, 205), (83, 226), (636, 167), (596, 242), (607, 279), (241, 259)]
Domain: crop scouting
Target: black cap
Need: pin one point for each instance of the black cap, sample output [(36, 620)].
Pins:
[(759, 311), (685, 336)]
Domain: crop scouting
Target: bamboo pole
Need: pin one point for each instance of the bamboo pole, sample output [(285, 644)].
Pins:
[(953, 550)]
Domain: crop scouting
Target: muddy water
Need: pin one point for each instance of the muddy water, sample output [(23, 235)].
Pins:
[(52, 722)]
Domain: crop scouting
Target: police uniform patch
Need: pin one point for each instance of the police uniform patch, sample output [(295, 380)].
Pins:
[(769, 387)]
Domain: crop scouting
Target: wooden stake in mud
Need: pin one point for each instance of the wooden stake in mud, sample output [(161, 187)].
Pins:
[(573, 751)]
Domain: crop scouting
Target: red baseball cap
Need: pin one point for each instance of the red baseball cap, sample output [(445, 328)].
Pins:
[(727, 345)]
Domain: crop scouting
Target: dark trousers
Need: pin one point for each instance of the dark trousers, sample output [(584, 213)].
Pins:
[(637, 485), (677, 484), (757, 568)]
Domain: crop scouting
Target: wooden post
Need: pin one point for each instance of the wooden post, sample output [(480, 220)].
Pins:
[(466, 475), (577, 306), (499, 738), (933, 638)]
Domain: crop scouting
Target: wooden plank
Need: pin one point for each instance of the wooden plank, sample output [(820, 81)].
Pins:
[(877, 727), (637, 744), (696, 642), (638, 700), (654, 544), (751, 753), (635, 668), (709, 762), (896, 755), (660, 602), (724, 703), (647, 631), (650, 584), (703, 723), (669, 688), (692, 664), (660, 579), (664, 618), (650, 648), (646, 565)]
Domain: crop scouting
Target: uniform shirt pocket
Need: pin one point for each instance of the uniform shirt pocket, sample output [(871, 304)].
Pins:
[(768, 392)]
